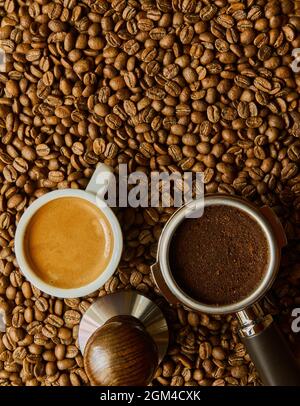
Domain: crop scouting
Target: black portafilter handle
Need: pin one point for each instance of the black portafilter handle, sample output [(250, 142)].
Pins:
[(268, 348)]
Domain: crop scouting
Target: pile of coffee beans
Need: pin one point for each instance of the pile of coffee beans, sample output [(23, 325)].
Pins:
[(169, 85)]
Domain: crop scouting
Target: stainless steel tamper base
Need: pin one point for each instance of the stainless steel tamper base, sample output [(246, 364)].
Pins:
[(129, 303)]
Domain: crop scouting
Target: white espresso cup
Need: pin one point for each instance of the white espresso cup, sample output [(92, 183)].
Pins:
[(94, 193)]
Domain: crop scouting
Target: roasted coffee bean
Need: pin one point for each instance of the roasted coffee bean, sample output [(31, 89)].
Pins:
[(168, 86)]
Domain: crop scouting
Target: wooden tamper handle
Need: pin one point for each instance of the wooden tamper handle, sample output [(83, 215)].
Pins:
[(121, 353)]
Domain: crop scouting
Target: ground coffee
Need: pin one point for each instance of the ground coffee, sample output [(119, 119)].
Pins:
[(220, 257)]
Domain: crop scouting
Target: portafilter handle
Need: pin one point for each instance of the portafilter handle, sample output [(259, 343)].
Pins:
[(267, 348)]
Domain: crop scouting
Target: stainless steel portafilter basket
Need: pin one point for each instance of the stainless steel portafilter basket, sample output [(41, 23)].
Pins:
[(265, 344)]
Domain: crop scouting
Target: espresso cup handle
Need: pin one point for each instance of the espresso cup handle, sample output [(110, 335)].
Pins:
[(100, 180)]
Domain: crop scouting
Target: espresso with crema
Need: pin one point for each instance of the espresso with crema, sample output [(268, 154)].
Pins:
[(68, 242)]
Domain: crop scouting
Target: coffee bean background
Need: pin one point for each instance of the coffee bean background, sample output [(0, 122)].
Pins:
[(201, 85)]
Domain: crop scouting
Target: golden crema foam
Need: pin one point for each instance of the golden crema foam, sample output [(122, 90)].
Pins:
[(68, 242)]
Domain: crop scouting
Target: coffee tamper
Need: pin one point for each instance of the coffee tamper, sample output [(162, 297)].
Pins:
[(123, 337)]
